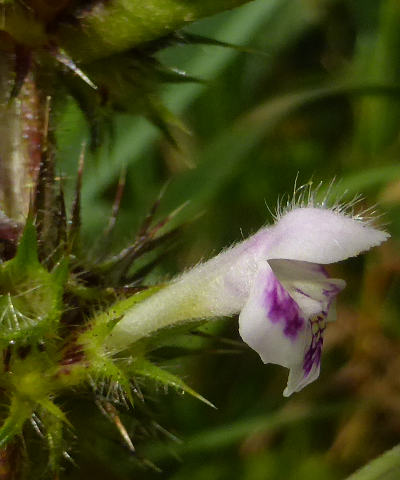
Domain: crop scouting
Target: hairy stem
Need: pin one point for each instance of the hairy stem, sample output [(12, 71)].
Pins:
[(20, 133)]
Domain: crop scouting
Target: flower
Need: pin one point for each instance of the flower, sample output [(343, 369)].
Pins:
[(275, 280)]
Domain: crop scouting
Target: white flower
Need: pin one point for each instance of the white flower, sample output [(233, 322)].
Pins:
[(274, 280)]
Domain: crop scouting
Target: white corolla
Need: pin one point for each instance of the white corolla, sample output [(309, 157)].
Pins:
[(274, 280)]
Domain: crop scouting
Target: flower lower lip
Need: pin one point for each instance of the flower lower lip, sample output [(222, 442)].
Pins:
[(280, 307)]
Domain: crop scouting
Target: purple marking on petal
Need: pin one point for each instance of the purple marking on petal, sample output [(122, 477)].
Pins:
[(282, 308), (302, 293), (313, 354), (322, 270), (332, 291)]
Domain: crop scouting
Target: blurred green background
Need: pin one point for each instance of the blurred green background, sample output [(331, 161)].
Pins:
[(318, 98)]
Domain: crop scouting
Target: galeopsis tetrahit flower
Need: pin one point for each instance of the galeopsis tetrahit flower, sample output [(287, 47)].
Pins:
[(275, 280)]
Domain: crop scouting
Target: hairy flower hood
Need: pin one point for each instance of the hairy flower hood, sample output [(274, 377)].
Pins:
[(274, 280)]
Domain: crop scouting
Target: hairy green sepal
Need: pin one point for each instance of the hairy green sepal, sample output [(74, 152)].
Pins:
[(118, 25), (30, 295)]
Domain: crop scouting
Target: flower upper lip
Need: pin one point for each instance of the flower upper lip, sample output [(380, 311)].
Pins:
[(321, 235)]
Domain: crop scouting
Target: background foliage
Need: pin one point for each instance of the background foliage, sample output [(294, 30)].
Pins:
[(318, 98)]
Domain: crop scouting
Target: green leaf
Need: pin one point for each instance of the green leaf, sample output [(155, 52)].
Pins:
[(224, 436), (385, 467), (369, 179), (19, 412), (144, 368), (52, 408), (234, 145), (378, 118)]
